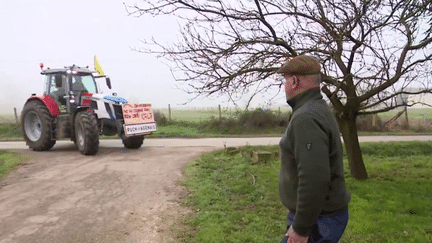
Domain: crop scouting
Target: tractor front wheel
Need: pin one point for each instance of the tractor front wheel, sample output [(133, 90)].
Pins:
[(133, 142), (86, 133), (36, 124)]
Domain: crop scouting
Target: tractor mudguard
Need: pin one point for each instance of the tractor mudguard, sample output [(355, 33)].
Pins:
[(49, 103), (86, 99)]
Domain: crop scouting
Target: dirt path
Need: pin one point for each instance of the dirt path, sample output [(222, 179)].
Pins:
[(117, 196)]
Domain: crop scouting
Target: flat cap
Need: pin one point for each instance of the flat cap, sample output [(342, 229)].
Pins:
[(300, 65)]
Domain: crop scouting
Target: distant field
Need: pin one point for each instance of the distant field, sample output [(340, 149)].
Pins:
[(199, 114), (413, 113), (7, 118), (195, 115)]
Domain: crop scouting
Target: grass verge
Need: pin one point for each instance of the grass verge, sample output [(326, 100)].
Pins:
[(9, 161), (234, 200), (10, 131)]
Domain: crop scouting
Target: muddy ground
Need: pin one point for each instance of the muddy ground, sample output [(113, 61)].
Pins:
[(119, 195)]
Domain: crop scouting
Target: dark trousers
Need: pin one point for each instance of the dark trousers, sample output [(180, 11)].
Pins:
[(326, 229)]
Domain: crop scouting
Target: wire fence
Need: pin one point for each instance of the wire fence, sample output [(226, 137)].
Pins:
[(196, 114)]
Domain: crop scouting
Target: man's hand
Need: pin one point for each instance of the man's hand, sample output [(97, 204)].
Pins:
[(293, 237)]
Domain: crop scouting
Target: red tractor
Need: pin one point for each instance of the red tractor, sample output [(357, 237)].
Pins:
[(73, 107)]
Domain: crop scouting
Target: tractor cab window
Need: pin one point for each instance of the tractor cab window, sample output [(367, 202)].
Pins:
[(83, 83), (57, 87)]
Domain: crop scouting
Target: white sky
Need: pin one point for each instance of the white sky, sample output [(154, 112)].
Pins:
[(63, 32)]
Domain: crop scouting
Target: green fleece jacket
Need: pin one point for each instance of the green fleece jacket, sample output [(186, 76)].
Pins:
[(312, 182)]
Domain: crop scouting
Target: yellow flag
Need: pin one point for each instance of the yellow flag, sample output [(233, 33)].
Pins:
[(98, 68)]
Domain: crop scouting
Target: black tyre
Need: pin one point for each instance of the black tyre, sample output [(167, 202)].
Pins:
[(133, 142), (36, 125), (86, 133)]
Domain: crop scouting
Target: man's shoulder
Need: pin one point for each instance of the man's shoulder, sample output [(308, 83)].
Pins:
[(317, 111), (312, 108)]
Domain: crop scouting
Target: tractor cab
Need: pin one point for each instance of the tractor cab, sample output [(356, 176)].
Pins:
[(68, 86)]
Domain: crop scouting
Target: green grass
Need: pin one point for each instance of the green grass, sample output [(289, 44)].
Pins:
[(191, 130), (201, 114), (234, 200), (7, 118), (177, 129), (231, 207), (413, 114), (10, 131), (9, 161)]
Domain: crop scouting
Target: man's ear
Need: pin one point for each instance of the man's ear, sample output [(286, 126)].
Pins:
[(295, 82)]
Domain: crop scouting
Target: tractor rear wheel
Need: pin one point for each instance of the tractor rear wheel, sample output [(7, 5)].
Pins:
[(133, 142), (36, 124), (86, 133)]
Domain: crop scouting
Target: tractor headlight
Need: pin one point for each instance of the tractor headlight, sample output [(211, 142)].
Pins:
[(73, 99)]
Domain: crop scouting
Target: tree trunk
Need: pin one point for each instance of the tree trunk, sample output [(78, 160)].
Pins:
[(348, 128)]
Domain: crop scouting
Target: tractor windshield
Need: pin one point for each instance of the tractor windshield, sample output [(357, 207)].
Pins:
[(84, 83)]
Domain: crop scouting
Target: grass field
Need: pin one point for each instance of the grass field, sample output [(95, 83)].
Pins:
[(413, 114), (7, 118), (9, 161), (195, 114), (234, 200), (200, 114), (10, 131)]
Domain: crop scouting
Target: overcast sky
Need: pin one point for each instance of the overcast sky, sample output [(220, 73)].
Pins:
[(59, 33)]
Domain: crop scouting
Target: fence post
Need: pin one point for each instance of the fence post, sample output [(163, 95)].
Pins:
[(16, 116), (220, 113), (169, 112)]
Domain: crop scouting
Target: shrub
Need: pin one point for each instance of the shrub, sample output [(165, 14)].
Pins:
[(224, 125), (160, 118), (422, 128), (260, 118), (366, 123), (241, 122)]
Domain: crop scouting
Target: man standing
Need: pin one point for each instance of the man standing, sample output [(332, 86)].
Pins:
[(312, 183)]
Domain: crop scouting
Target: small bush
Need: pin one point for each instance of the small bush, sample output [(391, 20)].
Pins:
[(160, 118), (366, 123), (247, 121), (260, 118), (257, 118), (224, 125), (422, 128)]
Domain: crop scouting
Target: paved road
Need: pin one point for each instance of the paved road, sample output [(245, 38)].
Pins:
[(214, 142), (118, 195)]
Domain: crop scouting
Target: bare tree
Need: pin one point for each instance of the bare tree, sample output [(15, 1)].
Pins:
[(372, 51)]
